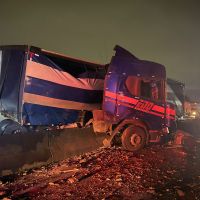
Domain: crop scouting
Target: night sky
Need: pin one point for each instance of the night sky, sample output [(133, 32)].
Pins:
[(164, 31)]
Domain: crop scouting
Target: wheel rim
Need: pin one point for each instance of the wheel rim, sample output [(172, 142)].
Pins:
[(136, 140)]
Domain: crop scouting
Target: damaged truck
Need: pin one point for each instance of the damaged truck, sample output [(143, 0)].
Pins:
[(54, 106)]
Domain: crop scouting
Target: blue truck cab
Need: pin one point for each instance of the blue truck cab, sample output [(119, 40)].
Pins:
[(134, 102)]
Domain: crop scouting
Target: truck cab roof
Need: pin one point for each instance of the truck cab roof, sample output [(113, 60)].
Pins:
[(123, 62)]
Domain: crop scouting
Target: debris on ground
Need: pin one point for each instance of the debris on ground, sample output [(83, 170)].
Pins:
[(167, 172)]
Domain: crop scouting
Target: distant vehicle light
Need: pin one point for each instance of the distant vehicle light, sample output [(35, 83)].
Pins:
[(194, 113)]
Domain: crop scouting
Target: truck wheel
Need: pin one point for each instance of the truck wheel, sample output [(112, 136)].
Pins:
[(9, 126), (133, 138)]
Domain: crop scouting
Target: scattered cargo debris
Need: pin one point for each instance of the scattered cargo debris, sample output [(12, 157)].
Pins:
[(158, 172)]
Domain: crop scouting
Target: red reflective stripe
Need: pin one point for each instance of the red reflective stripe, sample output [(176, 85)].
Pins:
[(124, 100), (158, 109), (157, 114), (121, 97), (111, 94), (127, 99), (120, 103), (171, 111), (130, 106), (126, 104)]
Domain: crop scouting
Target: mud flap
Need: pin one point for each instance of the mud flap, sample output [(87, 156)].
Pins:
[(22, 151)]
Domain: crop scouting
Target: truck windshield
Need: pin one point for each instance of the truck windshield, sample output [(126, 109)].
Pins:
[(172, 98)]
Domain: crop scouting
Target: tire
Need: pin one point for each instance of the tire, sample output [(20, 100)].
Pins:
[(133, 138), (9, 126)]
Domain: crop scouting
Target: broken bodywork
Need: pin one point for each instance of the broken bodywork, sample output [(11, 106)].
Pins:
[(46, 98)]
